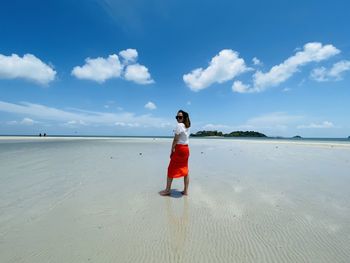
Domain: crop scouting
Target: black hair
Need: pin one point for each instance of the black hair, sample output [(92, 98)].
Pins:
[(186, 118)]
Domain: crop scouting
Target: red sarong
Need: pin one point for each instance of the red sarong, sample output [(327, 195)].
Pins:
[(178, 165)]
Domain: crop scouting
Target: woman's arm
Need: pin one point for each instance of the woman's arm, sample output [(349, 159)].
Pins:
[(176, 139)]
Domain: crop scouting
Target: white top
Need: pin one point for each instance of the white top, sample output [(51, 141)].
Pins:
[(183, 132)]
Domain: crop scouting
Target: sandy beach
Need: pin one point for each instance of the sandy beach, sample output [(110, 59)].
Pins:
[(96, 200)]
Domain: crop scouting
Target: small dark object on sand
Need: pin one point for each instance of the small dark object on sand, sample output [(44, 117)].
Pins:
[(140, 153), (201, 152)]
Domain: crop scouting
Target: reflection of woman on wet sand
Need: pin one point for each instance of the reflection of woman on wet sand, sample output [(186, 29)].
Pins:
[(178, 166), (177, 215)]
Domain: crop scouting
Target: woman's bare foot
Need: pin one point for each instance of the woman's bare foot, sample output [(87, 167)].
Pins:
[(184, 193), (164, 192)]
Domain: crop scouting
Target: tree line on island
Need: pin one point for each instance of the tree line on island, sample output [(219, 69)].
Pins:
[(231, 134), (237, 134)]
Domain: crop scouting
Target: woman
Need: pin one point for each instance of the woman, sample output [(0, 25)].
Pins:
[(178, 166)]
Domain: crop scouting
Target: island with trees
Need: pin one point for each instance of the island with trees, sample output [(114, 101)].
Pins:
[(232, 134)]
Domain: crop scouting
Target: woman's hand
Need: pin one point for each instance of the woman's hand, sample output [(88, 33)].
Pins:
[(176, 139), (172, 152)]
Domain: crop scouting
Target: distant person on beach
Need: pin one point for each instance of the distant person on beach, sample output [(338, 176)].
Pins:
[(178, 166)]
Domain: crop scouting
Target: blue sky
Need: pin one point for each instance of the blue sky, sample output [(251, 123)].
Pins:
[(125, 67)]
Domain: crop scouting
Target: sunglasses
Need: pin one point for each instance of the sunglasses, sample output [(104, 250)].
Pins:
[(178, 117)]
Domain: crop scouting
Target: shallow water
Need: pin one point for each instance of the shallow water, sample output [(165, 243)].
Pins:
[(81, 200)]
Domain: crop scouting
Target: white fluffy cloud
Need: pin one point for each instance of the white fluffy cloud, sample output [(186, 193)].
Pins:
[(311, 52), (129, 55), (334, 73), (138, 73), (99, 69), (238, 86), (256, 61), (27, 121), (75, 123), (150, 105), (323, 125), (24, 121), (223, 67), (27, 67)]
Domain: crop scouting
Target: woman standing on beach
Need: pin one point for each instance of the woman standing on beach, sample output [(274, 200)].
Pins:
[(178, 166)]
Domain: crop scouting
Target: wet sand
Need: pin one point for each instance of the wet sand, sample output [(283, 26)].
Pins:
[(96, 200)]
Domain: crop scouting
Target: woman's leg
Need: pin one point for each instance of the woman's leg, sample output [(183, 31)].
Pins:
[(186, 182), (168, 186)]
